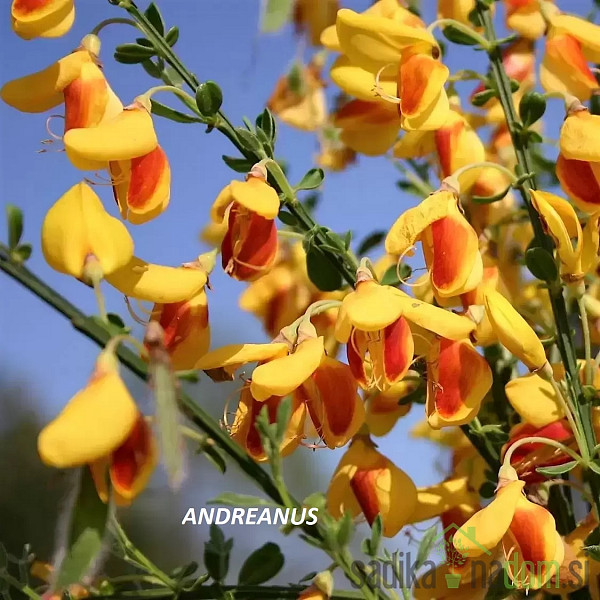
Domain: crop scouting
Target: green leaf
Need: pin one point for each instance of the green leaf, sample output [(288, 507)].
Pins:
[(22, 253), (321, 270), (233, 499), (594, 466), (266, 122), (483, 97), (311, 180), (532, 107), (263, 564), (458, 36), (593, 551), (541, 264), (376, 533), (490, 199), (162, 110), (152, 68), (184, 571), (214, 455), (153, 15), (85, 532), (248, 140), (239, 165), (315, 500), (284, 414), (275, 15), (171, 77), (371, 241), (557, 469), (287, 218), (216, 554), (514, 85), (167, 419), (172, 36), (345, 530), (209, 98), (429, 540), (131, 54), (14, 217), (390, 277)]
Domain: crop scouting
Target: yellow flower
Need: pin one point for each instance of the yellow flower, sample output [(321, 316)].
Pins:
[(367, 482), (525, 17), (385, 408), (513, 331), (579, 135), (456, 9), (532, 547), (450, 244), (42, 18), (157, 283), (77, 232), (128, 135)]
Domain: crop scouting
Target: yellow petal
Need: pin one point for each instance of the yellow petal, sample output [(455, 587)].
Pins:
[(372, 42), (513, 331), (329, 39), (358, 82), (583, 30), (95, 422), (534, 399), (488, 526), (409, 226), (128, 135), (257, 196), (281, 376), (240, 354), (78, 226), (580, 136), (42, 91), (157, 283), (48, 18), (434, 500)]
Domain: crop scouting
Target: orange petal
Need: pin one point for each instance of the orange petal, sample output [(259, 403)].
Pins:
[(249, 247), (398, 350), (458, 379), (333, 404), (142, 185), (355, 352), (457, 266), (580, 180), (132, 463)]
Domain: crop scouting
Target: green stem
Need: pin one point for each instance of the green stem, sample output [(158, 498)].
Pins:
[(485, 44), (540, 440), (115, 21), (587, 342), (564, 340)]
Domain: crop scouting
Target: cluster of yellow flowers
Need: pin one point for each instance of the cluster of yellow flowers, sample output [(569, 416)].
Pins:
[(474, 295)]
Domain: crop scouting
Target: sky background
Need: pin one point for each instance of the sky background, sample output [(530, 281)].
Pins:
[(49, 362)]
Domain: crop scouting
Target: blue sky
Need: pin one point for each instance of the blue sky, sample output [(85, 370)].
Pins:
[(218, 41)]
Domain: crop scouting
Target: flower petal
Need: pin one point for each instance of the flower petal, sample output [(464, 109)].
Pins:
[(256, 195), (95, 422), (359, 83), (42, 18), (579, 136), (434, 500), (398, 350), (280, 376), (458, 378), (157, 283), (77, 226), (534, 399)]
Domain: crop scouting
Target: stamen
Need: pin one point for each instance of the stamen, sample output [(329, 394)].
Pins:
[(380, 92), (132, 313), (50, 132)]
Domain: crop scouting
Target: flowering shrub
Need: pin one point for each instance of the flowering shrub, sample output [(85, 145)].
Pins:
[(494, 342)]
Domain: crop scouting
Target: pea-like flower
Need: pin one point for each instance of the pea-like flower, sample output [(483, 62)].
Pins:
[(367, 482), (42, 18)]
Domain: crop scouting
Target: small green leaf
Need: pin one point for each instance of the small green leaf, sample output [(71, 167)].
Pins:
[(216, 554), (321, 270), (483, 97), (345, 530), (233, 499), (514, 85), (172, 36), (541, 264), (593, 551), (184, 571), (214, 455), (153, 69), (209, 98), (153, 15), (287, 218), (594, 466), (14, 217), (22, 253), (376, 533), (86, 529), (429, 540), (315, 500), (239, 165), (311, 180), (263, 564), (371, 241), (133, 53), (390, 277), (557, 469), (490, 199), (249, 140), (266, 122), (162, 110), (275, 15), (284, 414), (458, 36), (532, 107)]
